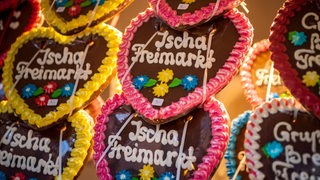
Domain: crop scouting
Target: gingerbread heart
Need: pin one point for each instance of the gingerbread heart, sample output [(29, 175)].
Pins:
[(16, 18), (72, 16), (256, 79), (48, 76), (235, 152), (166, 73), (187, 13), (282, 142), (58, 152), (295, 48), (190, 147)]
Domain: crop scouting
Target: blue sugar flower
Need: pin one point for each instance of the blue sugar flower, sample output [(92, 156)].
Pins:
[(123, 175), (140, 81), (272, 149), (67, 90), (28, 90), (167, 176), (189, 82), (95, 1), (2, 176), (297, 38), (273, 95), (33, 179), (60, 3)]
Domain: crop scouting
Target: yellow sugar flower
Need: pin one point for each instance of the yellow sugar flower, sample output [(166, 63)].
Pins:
[(160, 89), (146, 173), (310, 78), (188, 1), (165, 75)]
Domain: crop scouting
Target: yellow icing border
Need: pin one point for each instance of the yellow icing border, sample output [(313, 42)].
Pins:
[(4, 107), (54, 20), (107, 71)]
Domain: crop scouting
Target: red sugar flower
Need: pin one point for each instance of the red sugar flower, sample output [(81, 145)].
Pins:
[(77, 1), (74, 10), (50, 87), (42, 100), (18, 176)]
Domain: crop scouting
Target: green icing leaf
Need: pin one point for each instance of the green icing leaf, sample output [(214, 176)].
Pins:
[(38, 92), (290, 34), (176, 82), (150, 83), (86, 3), (68, 4), (56, 93)]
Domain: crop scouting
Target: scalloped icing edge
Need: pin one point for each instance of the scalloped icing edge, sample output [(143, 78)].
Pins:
[(166, 13), (185, 104), (82, 95), (67, 26), (253, 127), (220, 129), (280, 58), (35, 20), (236, 127), (245, 72), (83, 126)]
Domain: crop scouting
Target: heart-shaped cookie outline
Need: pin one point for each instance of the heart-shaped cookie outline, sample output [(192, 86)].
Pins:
[(106, 71), (219, 125), (253, 127), (185, 104), (82, 123), (103, 12), (281, 59), (35, 20), (166, 13)]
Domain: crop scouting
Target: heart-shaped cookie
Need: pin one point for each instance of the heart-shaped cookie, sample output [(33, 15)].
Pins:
[(184, 14), (255, 74), (295, 48), (127, 146), (72, 16), (59, 151), (166, 73), (282, 142), (235, 152), (16, 19), (47, 76)]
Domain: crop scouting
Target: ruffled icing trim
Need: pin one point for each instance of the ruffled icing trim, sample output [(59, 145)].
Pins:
[(190, 19), (5, 107), (236, 127), (245, 72), (35, 20), (220, 130), (106, 72), (281, 59), (252, 136), (65, 27), (185, 104)]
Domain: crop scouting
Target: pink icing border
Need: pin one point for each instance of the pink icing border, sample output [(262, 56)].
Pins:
[(185, 104), (220, 134), (252, 136), (34, 20), (281, 59), (165, 12), (245, 72)]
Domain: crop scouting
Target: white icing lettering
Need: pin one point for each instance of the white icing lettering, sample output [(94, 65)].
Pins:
[(311, 21), (263, 78)]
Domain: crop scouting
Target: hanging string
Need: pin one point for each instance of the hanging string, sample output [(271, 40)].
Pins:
[(138, 55), (60, 153), (241, 164), (244, 7), (51, 6), (157, 6), (114, 139), (270, 80), (93, 13), (183, 138), (7, 132)]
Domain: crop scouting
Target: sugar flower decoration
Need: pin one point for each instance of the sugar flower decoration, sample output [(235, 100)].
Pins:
[(160, 89), (28, 90), (272, 149), (18, 176), (167, 176), (310, 78), (95, 1), (188, 1), (33, 179), (67, 90), (2, 175), (42, 100), (78, 1), (60, 3), (74, 10), (50, 87), (297, 38), (189, 82), (146, 172), (165, 75), (123, 175), (140, 81)]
